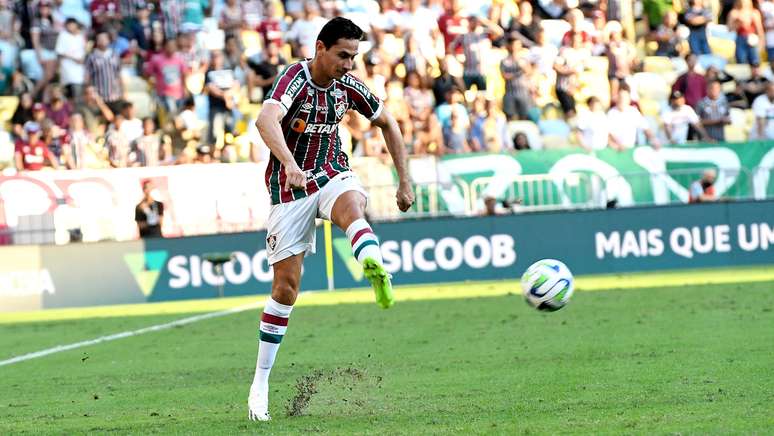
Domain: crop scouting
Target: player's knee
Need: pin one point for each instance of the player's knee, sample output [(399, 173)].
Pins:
[(284, 291)]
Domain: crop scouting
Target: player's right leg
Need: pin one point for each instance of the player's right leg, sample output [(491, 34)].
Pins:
[(274, 321), (290, 235)]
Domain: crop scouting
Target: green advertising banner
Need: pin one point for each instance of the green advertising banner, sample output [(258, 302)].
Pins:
[(589, 242), (414, 251), (573, 177)]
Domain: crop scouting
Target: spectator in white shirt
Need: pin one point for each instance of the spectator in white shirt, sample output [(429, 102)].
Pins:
[(678, 118), (625, 121), (71, 49), (303, 33), (592, 127), (763, 108)]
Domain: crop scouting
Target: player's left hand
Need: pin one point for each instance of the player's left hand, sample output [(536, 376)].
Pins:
[(405, 196)]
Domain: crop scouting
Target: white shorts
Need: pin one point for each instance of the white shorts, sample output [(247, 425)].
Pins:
[(290, 229)]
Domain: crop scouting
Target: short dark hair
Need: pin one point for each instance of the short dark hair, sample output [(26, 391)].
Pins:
[(339, 28)]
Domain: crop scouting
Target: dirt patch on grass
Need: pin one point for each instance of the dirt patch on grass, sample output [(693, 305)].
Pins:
[(309, 385)]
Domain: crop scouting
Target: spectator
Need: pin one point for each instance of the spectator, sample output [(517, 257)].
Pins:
[(691, 83), (668, 38), (767, 17), (140, 28), (270, 27), (763, 108), (192, 16), (521, 141), (592, 127), (654, 11), (577, 24), (131, 127), (71, 49), (149, 213), (517, 101), (697, 17), (104, 13), (148, 146), (526, 26), (31, 153), (263, 73), (755, 85), (60, 109), (232, 18), (474, 45), (22, 114), (703, 190), (427, 134), (96, 114), (82, 151), (44, 33), (103, 71), (746, 21), (569, 64), (453, 102), (234, 60), (413, 59), (168, 72), (302, 35), (222, 90), (55, 139), (119, 149), (714, 112), (455, 134), (678, 118), (452, 24), (445, 82), (621, 57), (420, 24), (625, 121)]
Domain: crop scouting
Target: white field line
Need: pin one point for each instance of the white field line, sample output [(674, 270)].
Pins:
[(127, 334)]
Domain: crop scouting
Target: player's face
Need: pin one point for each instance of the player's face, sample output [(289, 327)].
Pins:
[(340, 58)]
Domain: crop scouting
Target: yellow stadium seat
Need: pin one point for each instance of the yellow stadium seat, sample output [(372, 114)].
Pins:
[(657, 64), (8, 107), (598, 65), (735, 133), (143, 104), (651, 86), (739, 71), (650, 107), (251, 41), (723, 48), (553, 142)]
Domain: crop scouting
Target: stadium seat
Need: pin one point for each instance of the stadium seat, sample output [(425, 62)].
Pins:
[(135, 84), (597, 65), (738, 117), (554, 142), (554, 127), (143, 103), (651, 86), (707, 61), (657, 64), (739, 71), (735, 133), (555, 30), (8, 107), (650, 107), (528, 128)]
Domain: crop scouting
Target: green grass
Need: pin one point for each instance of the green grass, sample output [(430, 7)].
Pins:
[(688, 359)]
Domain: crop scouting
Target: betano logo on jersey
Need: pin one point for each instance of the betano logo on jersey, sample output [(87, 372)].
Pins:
[(300, 126)]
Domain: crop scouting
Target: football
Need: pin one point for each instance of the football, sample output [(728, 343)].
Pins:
[(547, 284)]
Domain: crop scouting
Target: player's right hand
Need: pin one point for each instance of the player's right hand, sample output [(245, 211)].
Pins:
[(294, 177)]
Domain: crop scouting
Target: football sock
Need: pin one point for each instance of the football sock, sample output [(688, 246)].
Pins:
[(274, 322), (364, 241)]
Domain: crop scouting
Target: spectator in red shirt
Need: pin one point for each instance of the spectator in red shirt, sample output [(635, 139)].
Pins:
[(452, 24), (103, 12), (692, 84), (576, 20), (168, 71), (32, 153), (59, 109), (270, 27)]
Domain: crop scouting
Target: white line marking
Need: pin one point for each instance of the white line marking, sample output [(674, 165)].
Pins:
[(127, 334)]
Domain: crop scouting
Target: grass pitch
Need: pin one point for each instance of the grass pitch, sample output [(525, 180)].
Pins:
[(675, 359)]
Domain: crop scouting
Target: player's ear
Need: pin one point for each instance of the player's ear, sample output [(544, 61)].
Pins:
[(319, 47)]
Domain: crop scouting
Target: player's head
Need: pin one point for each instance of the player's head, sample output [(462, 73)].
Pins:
[(337, 46)]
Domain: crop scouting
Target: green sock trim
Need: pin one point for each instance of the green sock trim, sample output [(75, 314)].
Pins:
[(271, 338), (360, 248)]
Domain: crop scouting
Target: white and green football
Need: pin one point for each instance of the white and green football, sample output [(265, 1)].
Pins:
[(547, 284)]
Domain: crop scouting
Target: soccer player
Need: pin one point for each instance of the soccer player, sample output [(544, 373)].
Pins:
[(308, 177)]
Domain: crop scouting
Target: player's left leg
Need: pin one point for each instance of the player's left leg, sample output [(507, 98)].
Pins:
[(343, 201)]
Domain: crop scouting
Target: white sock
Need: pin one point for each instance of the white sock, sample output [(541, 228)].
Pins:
[(274, 323), (364, 241)]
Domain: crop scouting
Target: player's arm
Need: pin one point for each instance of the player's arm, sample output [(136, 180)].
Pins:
[(269, 127), (394, 140)]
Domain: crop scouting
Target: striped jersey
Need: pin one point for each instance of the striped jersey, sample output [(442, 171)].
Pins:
[(311, 126)]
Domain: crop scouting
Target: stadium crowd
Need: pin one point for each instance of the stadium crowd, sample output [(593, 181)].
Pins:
[(121, 83)]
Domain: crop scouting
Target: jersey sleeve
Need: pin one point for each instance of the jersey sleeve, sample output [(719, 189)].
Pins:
[(362, 99), (286, 87)]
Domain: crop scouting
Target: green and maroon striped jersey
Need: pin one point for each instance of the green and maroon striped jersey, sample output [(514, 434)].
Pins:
[(311, 126)]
